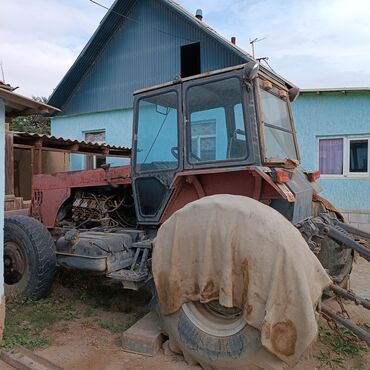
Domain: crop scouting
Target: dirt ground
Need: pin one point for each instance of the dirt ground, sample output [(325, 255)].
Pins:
[(92, 340)]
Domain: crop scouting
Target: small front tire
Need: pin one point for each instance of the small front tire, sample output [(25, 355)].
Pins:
[(29, 258)]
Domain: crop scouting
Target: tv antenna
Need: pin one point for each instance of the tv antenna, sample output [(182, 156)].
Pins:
[(252, 42)]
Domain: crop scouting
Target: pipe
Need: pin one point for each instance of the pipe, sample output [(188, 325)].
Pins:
[(350, 296), (361, 333)]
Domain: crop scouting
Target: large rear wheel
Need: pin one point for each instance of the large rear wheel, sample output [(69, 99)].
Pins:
[(29, 258), (335, 259), (216, 337)]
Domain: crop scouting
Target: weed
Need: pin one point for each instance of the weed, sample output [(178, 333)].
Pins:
[(344, 342), (88, 312), (26, 321), (119, 327), (330, 360)]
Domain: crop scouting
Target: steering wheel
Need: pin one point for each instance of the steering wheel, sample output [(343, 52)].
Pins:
[(175, 152)]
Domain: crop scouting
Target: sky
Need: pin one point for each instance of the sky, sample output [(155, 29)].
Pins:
[(313, 43)]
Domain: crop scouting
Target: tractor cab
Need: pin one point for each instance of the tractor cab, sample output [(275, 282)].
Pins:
[(238, 116)]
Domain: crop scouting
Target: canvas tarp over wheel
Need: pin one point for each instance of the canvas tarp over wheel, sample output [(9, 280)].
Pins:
[(246, 255)]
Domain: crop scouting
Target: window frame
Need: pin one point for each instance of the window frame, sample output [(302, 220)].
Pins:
[(346, 156), (151, 94), (205, 136), (90, 160), (245, 96), (273, 86)]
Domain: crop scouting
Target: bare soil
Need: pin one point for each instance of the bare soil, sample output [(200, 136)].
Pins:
[(92, 342)]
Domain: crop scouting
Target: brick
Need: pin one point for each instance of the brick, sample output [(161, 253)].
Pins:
[(144, 337), (360, 218)]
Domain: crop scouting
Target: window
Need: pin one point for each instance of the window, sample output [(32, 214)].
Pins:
[(279, 139), (343, 156), (203, 139), (157, 142), (216, 129), (93, 161), (358, 155), (190, 59)]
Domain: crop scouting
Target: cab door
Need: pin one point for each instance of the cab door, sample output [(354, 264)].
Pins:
[(156, 155)]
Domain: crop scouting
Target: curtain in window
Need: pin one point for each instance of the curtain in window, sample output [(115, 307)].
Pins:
[(331, 156)]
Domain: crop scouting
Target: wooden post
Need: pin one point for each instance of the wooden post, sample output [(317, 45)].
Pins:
[(9, 162), (37, 158)]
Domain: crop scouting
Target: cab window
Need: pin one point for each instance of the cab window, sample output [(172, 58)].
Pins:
[(216, 127), (157, 133), (277, 126)]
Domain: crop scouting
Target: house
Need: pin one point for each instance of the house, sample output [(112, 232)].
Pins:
[(137, 44), (333, 129)]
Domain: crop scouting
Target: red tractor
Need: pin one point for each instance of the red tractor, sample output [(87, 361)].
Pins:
[(229, 131)]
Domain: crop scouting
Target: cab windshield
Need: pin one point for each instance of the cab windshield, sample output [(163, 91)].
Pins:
[(277, 126), (157, 133), (216, 129)]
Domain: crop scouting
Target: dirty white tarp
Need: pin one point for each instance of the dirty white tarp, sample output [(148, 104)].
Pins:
[(247, 255)]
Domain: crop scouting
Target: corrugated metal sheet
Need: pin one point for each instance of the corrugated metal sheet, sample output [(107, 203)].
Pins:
[(105, 30), (62, 143), (140, 53)]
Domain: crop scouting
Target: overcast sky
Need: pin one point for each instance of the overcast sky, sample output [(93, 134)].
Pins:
[(315, 43)]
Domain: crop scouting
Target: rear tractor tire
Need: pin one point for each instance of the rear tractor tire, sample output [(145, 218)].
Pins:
[(216, 337), (29, 258), (334, 258)]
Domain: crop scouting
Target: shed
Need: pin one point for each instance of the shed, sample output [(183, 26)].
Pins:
[(11, 104)]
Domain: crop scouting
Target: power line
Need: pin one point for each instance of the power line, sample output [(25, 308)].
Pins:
[(135, 20)]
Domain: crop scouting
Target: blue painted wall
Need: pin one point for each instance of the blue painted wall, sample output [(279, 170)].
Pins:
[(330, 114), (117, 125)]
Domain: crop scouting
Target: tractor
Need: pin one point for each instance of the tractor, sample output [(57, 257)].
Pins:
[(226, 132)]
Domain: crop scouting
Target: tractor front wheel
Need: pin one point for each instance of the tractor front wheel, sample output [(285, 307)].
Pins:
[(29, 258)]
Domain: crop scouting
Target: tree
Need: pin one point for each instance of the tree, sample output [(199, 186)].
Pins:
[(34, 123)]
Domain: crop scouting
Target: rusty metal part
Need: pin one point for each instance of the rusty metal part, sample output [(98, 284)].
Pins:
[(251, 181), (350, 296), (326, 225), (354, 230), (51, 191), (341, 236), (317, 198), (357, 330)]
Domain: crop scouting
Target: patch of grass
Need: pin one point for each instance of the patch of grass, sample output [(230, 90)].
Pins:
[(330, 360), (88, 312), (26, 320), (97, 293), (343, 344), (119, 327)]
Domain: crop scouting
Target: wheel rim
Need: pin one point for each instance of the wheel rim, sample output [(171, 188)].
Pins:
[(214, 319), (15, 263)]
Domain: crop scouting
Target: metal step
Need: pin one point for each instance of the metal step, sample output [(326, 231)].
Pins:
[(129, 275)]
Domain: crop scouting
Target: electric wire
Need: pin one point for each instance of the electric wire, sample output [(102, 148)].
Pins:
[(137, 21)]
